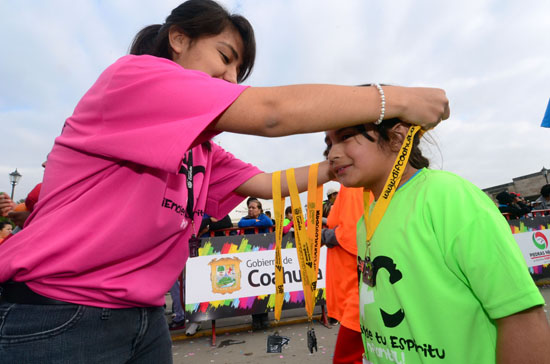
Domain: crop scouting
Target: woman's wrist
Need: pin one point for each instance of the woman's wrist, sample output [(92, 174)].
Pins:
[(382, 104), (395, 102)]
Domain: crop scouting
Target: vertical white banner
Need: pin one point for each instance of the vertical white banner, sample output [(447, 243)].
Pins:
[(534, 247)]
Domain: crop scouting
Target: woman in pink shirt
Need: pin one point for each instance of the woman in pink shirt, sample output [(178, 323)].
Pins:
[(136, 159)]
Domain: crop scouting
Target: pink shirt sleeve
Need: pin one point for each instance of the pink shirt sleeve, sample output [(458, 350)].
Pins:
[(151, 112), (228, 173)]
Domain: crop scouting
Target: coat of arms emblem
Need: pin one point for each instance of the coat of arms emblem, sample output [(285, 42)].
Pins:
[(225, 275)]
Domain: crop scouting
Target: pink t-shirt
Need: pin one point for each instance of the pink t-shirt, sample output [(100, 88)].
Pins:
[(111, 228)]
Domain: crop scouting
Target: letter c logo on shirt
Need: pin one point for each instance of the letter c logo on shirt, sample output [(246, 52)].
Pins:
[(394, 319)]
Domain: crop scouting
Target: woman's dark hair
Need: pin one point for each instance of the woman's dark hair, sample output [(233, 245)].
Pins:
[(197, 18), (288, 210)]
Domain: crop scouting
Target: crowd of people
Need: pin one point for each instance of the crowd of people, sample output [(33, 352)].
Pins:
[(514, 206), (403, 278)]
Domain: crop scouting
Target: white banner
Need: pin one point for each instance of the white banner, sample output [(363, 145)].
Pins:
[(227, 276), (534, 247)]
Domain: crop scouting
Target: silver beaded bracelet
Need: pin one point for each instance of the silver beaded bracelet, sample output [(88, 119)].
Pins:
[(382, 104)]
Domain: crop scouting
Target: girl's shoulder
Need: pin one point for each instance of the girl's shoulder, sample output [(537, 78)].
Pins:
[(444, 180), (449, 188)]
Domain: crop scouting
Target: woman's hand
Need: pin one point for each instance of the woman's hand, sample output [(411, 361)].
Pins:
[(419, 105)]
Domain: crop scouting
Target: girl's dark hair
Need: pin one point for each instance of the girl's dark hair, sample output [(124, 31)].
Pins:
[(197, 18), (416, 159), (288, 210)]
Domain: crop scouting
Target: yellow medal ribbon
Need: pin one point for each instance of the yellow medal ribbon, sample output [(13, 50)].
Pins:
[(372, 220), (308, 240), (315, 217), (278, 207), (305, 256)]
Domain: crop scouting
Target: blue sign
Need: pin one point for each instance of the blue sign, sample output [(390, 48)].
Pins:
[(546, 118)]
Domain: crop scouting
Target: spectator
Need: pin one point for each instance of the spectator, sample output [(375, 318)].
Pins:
[(288, 223), (5, 230), (6, 204), (327, 204), (177, 292), (20, 213), (268, 214), (210, 223), (255, 218), (510, 204), (193, 328), (543, 202)]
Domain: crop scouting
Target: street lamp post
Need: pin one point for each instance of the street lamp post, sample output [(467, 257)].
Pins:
[(14, 179)]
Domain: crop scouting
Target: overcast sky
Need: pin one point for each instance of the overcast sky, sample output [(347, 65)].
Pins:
[(492, 58)]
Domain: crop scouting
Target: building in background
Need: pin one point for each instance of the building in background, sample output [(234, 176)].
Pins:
[(527, 186)]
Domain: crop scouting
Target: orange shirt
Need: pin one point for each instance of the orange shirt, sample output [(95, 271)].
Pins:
[(341, 284)]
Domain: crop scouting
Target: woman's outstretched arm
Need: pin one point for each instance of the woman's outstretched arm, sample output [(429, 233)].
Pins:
[(285, 110)]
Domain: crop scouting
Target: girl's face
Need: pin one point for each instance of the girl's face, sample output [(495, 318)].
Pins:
[(6, 230), (253, 209), (358, 162), (217, 55)]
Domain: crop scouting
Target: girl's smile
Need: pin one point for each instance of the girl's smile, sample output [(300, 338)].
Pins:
[(339, 171)]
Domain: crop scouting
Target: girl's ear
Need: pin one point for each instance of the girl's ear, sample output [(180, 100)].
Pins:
[(397, 135), (179, 41)]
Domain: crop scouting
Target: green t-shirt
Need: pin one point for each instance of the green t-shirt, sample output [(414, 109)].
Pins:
[(446, 266)]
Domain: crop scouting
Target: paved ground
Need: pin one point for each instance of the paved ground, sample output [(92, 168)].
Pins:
[(237, 343)]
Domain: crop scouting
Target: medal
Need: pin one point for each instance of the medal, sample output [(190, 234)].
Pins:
[(365, 270), (311, 340), (275, 343)]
